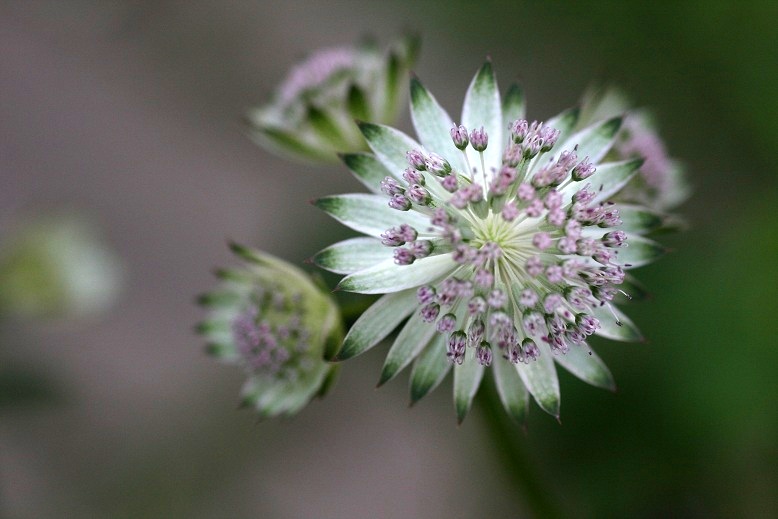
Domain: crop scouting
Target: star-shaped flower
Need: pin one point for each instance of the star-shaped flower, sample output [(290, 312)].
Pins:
[(495, 241)]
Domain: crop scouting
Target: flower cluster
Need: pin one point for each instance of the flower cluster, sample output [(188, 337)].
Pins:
[(661, 182), (498, 239), (311, 116), (269, 318)]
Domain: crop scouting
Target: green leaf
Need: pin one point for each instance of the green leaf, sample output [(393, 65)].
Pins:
[(433, 125), (355, 254), (213, 326), (239, 276), (220, 299), (615, 325), (611, 177), (388, 277), (540, 379), (274, 266), (401, 58), (430, 368), (367, 169), (582, 362), (482, 107), (289, 144), (275, 397), (595, 140), (329, 381), (389, 146), (513, 394), (358, 106), (634, 290), (637, 219), (327, 128), (467, 378), (607, 180), (411, 340), (513, 108), (639, 251), (369, 214), (222, 350), (564, 122), (377, 322), (408, 48)]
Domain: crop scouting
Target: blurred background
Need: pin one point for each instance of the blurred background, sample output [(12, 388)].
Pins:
[(128, 114)]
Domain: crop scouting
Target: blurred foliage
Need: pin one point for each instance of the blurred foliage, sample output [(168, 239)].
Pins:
[(57, 266), (24, 388), (692, 431)]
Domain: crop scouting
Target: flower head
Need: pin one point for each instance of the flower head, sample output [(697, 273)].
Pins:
[(661, 182), (57, 267), (515, 256), (311, 115), (271, 319)]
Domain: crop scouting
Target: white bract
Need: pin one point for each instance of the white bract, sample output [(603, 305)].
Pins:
[(496, 241)]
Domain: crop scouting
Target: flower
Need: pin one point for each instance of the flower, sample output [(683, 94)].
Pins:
[(58, 266), (501, 249), (271, 319), (311, 115), (661, 183)]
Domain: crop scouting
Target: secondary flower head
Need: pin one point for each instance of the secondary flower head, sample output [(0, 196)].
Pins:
[(661, 183), (271, 319), (311, 116), (57, 267), (497, 239)]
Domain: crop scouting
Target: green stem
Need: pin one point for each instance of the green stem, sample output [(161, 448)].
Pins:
[(508, 442)]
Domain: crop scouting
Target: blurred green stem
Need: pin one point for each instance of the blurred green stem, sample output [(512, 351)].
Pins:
[(508, 442), (507, 439)]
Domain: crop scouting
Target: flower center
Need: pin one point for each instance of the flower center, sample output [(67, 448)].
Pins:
[(512, 240), (494, 229)]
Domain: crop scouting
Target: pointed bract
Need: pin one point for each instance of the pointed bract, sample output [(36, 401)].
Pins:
[(506, 244)]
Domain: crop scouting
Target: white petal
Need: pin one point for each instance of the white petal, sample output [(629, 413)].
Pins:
[(369, 214), (410, 342), (582, 362), (353, 255), (389, 277), (540, 379), (467, 378), (377, 322), (433, 126), (367, 169), (482, 107)]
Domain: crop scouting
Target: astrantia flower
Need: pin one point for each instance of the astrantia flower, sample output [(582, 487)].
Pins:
[(311, 116), (661, 183), (57, 267), (271, 319), (496, 239)]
